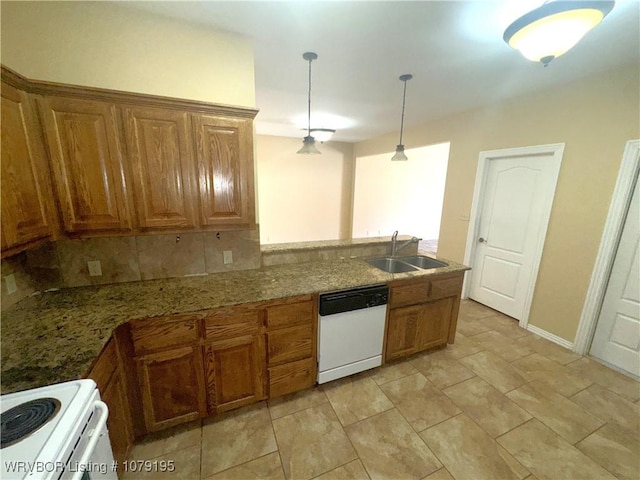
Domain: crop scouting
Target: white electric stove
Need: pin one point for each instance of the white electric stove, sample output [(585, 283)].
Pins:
[(56, 432)]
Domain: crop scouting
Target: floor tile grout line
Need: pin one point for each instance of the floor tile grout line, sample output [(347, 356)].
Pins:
[(589, 456), (462, 412), (239, 465), (301, 410), (503, 394), (590, 433), (495, 440), (344, 430)]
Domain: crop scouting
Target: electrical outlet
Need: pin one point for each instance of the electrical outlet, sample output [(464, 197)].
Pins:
[(464, 217), (11, 284), (95, 269), (227, 256)]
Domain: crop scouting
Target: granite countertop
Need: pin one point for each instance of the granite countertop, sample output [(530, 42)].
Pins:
[(56, 336), (324, 244)]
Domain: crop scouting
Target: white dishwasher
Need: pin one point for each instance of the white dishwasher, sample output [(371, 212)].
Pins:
[(350, 331)]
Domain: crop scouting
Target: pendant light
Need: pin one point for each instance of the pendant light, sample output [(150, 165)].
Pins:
[(400, 156), (309, 143), (322, 134), (555, 27)]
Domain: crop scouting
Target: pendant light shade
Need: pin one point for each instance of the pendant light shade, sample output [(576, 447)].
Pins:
[(399, 155), (309, 146), (309, 143), (554, 28)]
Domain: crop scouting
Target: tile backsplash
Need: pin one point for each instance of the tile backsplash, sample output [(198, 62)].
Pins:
[(127, 259)]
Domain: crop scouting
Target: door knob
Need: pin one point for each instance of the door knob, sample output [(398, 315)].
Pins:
[(481, 240)]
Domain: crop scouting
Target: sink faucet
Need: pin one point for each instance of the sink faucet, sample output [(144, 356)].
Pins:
[(395, 248)]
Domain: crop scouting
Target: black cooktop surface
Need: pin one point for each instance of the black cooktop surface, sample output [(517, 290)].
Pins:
[(22, 420)]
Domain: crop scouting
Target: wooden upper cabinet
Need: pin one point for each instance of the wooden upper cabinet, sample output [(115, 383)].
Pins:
[(224, 152), (87, 163), (26, 196), (160, 152)]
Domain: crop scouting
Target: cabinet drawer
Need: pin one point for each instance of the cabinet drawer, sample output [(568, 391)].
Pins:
[(104, 366), (153, 334), (291, 377), (289, 344), (291, 314), (411, 293), (445, 287), (219, 326), (426, 289)]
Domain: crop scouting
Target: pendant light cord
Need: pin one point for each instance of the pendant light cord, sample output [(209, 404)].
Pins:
[(404, 96), (309, 102)]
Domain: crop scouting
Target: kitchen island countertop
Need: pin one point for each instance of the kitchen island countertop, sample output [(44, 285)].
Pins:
[(55, 336)]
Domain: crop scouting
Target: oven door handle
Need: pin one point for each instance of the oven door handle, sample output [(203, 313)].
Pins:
[(91, 446)]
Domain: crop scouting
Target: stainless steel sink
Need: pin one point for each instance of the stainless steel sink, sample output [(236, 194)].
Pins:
[(405, 264), (422, 262), (391, 265)]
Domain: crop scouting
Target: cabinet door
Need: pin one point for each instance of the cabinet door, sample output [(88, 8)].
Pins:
[(26, 198), (402, 331), (224, 151), (433, 327), (87, 164), (159, 147), (235, 372), (172, 387), (119, 421)]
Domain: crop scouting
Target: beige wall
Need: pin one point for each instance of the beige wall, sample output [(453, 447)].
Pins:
[(102, 44), (403, 196), (595, 117), (303, 197)]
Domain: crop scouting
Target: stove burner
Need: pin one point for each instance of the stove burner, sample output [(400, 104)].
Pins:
[(24, 419)]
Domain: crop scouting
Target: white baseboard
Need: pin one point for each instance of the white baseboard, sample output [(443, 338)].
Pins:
[(550, 336)]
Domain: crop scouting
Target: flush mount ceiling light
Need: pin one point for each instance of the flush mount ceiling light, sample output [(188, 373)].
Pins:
[(309, 143), (399, 155), (554, 28)]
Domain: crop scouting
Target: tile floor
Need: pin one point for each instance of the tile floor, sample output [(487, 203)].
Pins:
[(500, 403)]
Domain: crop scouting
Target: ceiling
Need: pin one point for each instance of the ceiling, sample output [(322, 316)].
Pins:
[(454, 49)]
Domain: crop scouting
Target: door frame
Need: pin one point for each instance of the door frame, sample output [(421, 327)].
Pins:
[(556, 151), (620, 201)]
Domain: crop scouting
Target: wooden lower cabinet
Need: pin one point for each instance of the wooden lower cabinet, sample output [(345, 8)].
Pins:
[(107, 374), (172, 387), (119, 421), (291, 344), (291, 377), (422, 314), (235, 372), (418, 327), (184, 367)]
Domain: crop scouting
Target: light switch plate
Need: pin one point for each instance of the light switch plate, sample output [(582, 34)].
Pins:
[(95, 269), (227, 257), (11, 284)]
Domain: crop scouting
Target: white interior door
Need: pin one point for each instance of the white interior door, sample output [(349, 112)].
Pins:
[(512, 205), (617, 336)]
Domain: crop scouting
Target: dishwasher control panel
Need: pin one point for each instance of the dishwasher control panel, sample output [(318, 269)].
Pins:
[(353, 299)]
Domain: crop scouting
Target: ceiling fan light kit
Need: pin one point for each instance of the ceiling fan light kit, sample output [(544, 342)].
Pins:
[(322, 134), (555, 27), (399, 155)]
